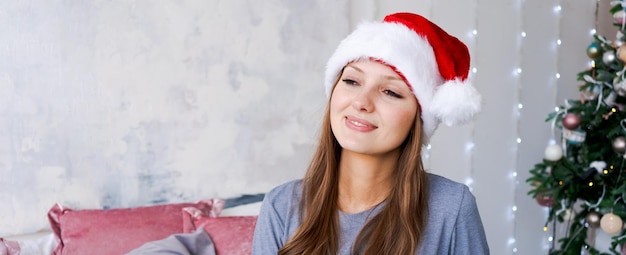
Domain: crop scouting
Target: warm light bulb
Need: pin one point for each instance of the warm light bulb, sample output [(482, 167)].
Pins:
[(605, 171), (545, 228), (590, 184)]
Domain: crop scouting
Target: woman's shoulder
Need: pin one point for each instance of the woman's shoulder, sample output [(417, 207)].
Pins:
[(445, 191), (440, 183), (287, 191)]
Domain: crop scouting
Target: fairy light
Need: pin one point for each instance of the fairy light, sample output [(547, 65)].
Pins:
[(518, 73)]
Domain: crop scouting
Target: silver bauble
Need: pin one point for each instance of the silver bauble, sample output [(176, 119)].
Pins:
[(608, 57), (619, 144)]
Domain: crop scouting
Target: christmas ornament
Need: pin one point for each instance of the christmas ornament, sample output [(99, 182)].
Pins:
[(571, 121), (544, 200), (621, 53), (618, 17), (594, 51), (611, 223), (553, 152), (619, 144), (574, 137), (593, 219), (619, 86), (599, 166), (608, 57)]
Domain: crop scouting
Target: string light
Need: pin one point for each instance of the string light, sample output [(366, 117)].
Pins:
[(518, 73)]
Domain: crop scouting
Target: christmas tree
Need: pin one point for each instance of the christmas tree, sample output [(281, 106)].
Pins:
[(582, 178)]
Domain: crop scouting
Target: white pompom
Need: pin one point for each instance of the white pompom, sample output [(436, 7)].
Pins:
[(455, 102)]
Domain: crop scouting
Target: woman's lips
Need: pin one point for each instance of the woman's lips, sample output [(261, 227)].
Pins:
[(360, 125)]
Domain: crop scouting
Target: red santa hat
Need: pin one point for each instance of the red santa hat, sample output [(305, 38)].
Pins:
[(434, 63)]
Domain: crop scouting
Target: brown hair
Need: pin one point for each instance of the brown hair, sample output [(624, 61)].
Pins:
[(396, 230)]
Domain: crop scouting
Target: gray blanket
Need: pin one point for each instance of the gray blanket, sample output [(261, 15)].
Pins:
[(196, 243)]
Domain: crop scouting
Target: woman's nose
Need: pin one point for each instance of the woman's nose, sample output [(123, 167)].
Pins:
[(363, 101)]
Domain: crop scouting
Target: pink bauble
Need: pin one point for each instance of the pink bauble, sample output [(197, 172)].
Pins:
[(571, 121), (593, 219), (544, 200)]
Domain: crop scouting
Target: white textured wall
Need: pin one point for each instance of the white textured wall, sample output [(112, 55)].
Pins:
[(122, 103), (118, 103)]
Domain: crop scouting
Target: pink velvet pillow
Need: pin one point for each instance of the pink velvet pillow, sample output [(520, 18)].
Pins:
[(231, 235), (118, 231)]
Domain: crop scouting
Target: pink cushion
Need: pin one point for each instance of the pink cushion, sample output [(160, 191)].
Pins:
[(231, 235), (9, 247), (118, 231)]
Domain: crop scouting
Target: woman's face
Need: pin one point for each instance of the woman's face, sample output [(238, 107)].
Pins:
[(372, 109)]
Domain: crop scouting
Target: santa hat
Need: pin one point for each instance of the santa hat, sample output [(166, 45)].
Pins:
[(434, 63)]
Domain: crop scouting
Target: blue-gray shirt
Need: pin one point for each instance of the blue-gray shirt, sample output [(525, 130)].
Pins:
[(454, 225)]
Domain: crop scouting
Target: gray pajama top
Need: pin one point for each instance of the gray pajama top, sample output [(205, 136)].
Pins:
[(454, 225)]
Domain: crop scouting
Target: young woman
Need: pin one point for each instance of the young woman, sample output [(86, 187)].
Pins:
[(390, 84)]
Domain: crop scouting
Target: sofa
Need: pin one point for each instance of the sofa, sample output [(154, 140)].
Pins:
[(228, 222)]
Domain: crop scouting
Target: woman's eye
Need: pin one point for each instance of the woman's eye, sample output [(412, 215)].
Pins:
[(349, 82), (391, 93)]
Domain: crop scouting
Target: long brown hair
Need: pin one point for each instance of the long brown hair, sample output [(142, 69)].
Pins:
[(396, 230)]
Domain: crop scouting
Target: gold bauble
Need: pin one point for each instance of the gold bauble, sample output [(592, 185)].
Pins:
[(621, 53)]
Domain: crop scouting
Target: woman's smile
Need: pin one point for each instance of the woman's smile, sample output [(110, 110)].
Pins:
[(361, 125)]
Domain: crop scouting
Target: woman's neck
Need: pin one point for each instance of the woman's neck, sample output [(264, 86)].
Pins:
[(364, 180)]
